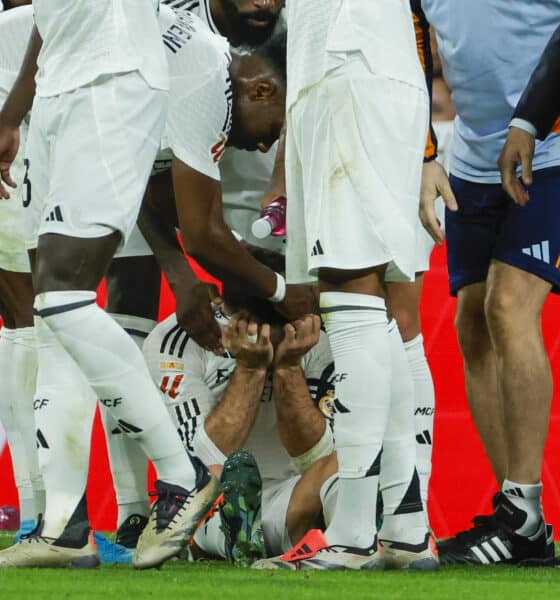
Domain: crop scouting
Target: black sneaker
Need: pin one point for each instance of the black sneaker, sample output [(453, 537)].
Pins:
[(240, 511), (493, 540), (129, 531)]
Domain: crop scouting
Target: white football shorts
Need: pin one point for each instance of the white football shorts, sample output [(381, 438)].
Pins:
[(13, 253), (354, 156), (90, 153), (276, 496)]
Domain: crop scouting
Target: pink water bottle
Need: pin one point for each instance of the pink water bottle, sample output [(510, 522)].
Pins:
[(272, 220)]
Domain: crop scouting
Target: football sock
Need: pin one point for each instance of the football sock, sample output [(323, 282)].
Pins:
[(128, 462), (424, 410), (210, 538), (115, 369), (527, 498), (18, 373), (328, 494), (64, 411), (357, 328), (404, 519)]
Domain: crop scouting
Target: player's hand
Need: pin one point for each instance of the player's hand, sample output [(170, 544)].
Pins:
[(299, 337), (196, 317), (518, 149), (248, 343), (9, 145), (435, 183), (300, 300)]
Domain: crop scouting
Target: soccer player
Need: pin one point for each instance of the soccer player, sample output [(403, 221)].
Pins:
[(245, 175), (261, 396), (351, 213), (501, 260), (95, 61), (18, 357)]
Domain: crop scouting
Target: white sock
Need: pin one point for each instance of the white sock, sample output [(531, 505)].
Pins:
[(64, 412), (129, 465), (357, 328), (404, 519), (18, 373), (424, 410), (115, 369), (210, 538), (526, 497), (328, 494)]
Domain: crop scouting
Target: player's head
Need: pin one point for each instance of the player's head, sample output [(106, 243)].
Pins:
[(259, 95), (250, 22), (261, 310)]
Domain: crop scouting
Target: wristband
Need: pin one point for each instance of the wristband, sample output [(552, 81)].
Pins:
[(280, 292)]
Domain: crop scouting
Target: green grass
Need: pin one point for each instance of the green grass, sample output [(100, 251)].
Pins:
[(194, 581)]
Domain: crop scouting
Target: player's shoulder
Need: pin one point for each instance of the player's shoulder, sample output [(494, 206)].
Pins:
[(185, 34)]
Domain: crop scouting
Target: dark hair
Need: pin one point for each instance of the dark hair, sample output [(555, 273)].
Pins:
[(274, 52), (238, 299)]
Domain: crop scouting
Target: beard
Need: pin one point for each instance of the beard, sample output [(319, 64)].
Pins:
[(239, 22)]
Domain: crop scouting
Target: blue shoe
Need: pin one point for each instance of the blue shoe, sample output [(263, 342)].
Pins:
[(111, 553), (25, 528)]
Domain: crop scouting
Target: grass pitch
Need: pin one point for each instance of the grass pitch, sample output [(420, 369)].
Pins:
[(218, 580)]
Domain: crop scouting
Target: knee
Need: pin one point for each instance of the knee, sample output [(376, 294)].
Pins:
[(472, 333), (408, 320), (502, 310)]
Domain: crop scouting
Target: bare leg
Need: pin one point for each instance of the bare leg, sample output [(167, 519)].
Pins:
[(514, 303), (481, 375)]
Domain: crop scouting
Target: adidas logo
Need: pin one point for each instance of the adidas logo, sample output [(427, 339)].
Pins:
[(317, 249), (491, 551), (515, 492), (424, 437), (55, 215), (539, 251), (125, 427), (41, 441)]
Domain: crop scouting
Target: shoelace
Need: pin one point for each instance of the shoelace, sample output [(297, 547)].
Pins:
[(168, 503)]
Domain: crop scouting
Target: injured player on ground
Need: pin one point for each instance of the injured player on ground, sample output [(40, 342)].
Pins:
[(263, 396)]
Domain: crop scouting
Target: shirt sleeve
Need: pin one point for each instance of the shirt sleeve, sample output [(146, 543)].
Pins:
[(199, 121), (422, 30)]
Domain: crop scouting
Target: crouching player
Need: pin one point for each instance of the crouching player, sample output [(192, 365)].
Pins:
[(261, 396)]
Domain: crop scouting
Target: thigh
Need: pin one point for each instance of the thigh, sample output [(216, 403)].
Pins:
[(16, 299), (472, 231), (104, 141), (133, 287), (530, 237)]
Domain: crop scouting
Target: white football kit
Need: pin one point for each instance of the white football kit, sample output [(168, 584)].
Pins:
[(193, 382), (15, 29), (357, 122), (97, 118), (244, 175)]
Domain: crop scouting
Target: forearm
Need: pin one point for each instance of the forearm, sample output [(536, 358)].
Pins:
[(231, 421), (20, 99), (539, 103), (300, 423), (226, 259), (163, 241)]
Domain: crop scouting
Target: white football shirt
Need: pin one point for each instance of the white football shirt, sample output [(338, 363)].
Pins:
[(86, 39), (15, 29), (200, 99), (382, 30), (196, 381)]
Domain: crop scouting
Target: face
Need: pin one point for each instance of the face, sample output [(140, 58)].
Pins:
[(252, 21), (258, 117)]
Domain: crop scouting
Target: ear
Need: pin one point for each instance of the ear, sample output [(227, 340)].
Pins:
[(263, 89)]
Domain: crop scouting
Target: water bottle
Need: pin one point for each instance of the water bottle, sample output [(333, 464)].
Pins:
[(272, 220)]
